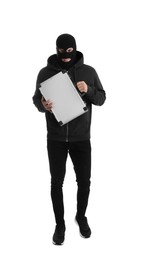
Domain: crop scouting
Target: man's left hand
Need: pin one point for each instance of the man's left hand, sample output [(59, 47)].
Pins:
[(82, 86)]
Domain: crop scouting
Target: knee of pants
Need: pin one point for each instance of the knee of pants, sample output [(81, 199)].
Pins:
[(56, 183), (85, 185)]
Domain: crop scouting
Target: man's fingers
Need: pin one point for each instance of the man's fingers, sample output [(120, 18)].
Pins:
[(80, 83), (82, 86), (47, 104)]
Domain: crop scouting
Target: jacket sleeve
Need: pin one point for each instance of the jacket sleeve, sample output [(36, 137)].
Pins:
[(37, 97), (96, 94)]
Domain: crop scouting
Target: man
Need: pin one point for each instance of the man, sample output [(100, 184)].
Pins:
[(72, 138)]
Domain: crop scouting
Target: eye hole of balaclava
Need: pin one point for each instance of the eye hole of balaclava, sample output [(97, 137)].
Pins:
[(66, 48)]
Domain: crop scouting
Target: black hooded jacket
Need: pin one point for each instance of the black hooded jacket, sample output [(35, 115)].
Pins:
[(79, 128)]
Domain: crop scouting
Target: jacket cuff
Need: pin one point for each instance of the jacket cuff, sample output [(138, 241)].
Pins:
[(91, 91), (41, 107)]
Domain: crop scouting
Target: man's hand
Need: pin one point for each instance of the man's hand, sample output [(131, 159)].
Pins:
[(47, 104), (82, 86)]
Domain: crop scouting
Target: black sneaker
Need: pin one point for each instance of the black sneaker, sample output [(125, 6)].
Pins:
[(84, 228), (59, 235)]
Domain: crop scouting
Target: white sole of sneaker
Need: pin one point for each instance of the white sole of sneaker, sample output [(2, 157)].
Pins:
[(57, 244)]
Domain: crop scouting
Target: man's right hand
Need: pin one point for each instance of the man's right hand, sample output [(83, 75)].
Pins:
[(46, 104)]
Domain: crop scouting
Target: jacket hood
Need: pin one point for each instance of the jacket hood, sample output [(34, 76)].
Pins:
[(52, 61)]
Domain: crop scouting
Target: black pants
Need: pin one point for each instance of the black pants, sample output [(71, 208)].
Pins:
[(80, 153)]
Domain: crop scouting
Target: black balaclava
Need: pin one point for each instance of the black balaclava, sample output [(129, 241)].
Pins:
[(65, 41)]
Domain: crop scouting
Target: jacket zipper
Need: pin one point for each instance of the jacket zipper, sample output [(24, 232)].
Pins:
[(67, 133)]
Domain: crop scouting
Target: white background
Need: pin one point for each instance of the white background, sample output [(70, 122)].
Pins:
[(108, 33)]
